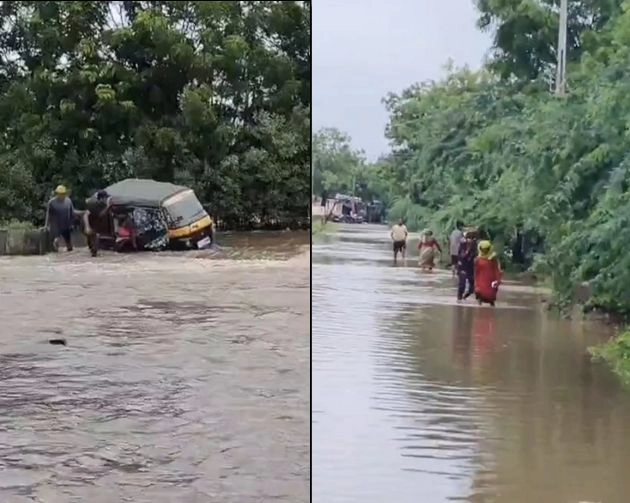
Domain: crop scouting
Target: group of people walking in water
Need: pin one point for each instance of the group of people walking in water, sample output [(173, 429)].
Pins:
[(473, 261)]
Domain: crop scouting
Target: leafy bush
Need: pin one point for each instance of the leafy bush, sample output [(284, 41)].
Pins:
[(16, 225), (212, 94), (616, 353)]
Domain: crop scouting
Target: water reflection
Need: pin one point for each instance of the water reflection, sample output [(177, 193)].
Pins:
[(417, 398)]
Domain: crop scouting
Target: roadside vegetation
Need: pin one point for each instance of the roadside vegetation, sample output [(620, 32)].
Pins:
[(213, 95), (616, 353), (319, 227), (495, 148), (16, 225)]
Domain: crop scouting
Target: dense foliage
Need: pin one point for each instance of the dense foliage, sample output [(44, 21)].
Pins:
[(214, 95), (496, 148), (526, 32), (616, 353)]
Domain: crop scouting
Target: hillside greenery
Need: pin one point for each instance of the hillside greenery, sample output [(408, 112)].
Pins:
[(214, 95), (616, 353)]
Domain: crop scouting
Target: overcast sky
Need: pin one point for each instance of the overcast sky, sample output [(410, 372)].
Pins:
[(363, 49)]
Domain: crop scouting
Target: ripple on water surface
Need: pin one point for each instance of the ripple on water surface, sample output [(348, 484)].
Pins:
[(416, 398), (183, 380)]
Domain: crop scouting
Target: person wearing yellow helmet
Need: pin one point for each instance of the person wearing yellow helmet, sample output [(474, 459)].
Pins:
[(488, 274), (60, 216)]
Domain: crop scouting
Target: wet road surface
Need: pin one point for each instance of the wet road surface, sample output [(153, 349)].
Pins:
[(184, 379), (418, 399)]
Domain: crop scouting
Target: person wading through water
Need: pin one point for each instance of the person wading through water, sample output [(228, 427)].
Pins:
[(60, 215), (428, 246), (487, 274), (399, 239), (466, 266), (454, 241), (95, 219)]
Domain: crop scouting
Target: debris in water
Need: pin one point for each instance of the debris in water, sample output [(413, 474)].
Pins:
[(57, 342)]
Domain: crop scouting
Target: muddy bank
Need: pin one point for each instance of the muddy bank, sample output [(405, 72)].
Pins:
[(32, 241), (38, 242), (183, 378)]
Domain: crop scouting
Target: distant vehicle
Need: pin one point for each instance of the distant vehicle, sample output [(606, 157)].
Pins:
[(345, 209), (375, 212), (165, 215), (348, 219)]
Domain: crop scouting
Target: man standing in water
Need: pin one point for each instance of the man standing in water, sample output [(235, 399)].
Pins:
[(454, 241), (466, 266), (95, 219), (399, 238), (60, 217)]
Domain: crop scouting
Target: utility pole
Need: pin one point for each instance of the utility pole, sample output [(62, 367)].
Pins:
[(561, 69)]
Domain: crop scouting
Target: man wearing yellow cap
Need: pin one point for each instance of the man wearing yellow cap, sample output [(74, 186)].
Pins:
[(60, 217)]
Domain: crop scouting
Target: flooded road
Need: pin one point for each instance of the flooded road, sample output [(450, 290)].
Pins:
[(185, 377), (416, 398)]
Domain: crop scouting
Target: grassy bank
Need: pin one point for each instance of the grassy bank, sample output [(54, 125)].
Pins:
[(616, 354), (16, 225), (319, 228)]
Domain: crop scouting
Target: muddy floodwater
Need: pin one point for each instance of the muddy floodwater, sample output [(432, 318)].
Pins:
[(418, 399), (184, 378)]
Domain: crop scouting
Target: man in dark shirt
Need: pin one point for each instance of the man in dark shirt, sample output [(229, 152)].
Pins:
[(95, 219), (60, 216), (466, 266)]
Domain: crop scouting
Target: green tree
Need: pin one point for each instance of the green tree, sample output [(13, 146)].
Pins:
[(212, 94), (336, 165), (526, 32), (504, 156)]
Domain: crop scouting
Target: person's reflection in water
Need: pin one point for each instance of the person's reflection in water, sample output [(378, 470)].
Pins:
[(484, 333), (462, 330), (589, 401)]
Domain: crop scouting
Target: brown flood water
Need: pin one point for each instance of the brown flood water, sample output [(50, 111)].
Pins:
[(418, 399), (185, 377)]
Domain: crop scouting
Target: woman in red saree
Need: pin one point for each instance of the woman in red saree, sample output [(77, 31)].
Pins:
[(488, 274)]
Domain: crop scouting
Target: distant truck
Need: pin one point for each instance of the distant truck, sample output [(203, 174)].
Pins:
[(375, 212), (345, 209)]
